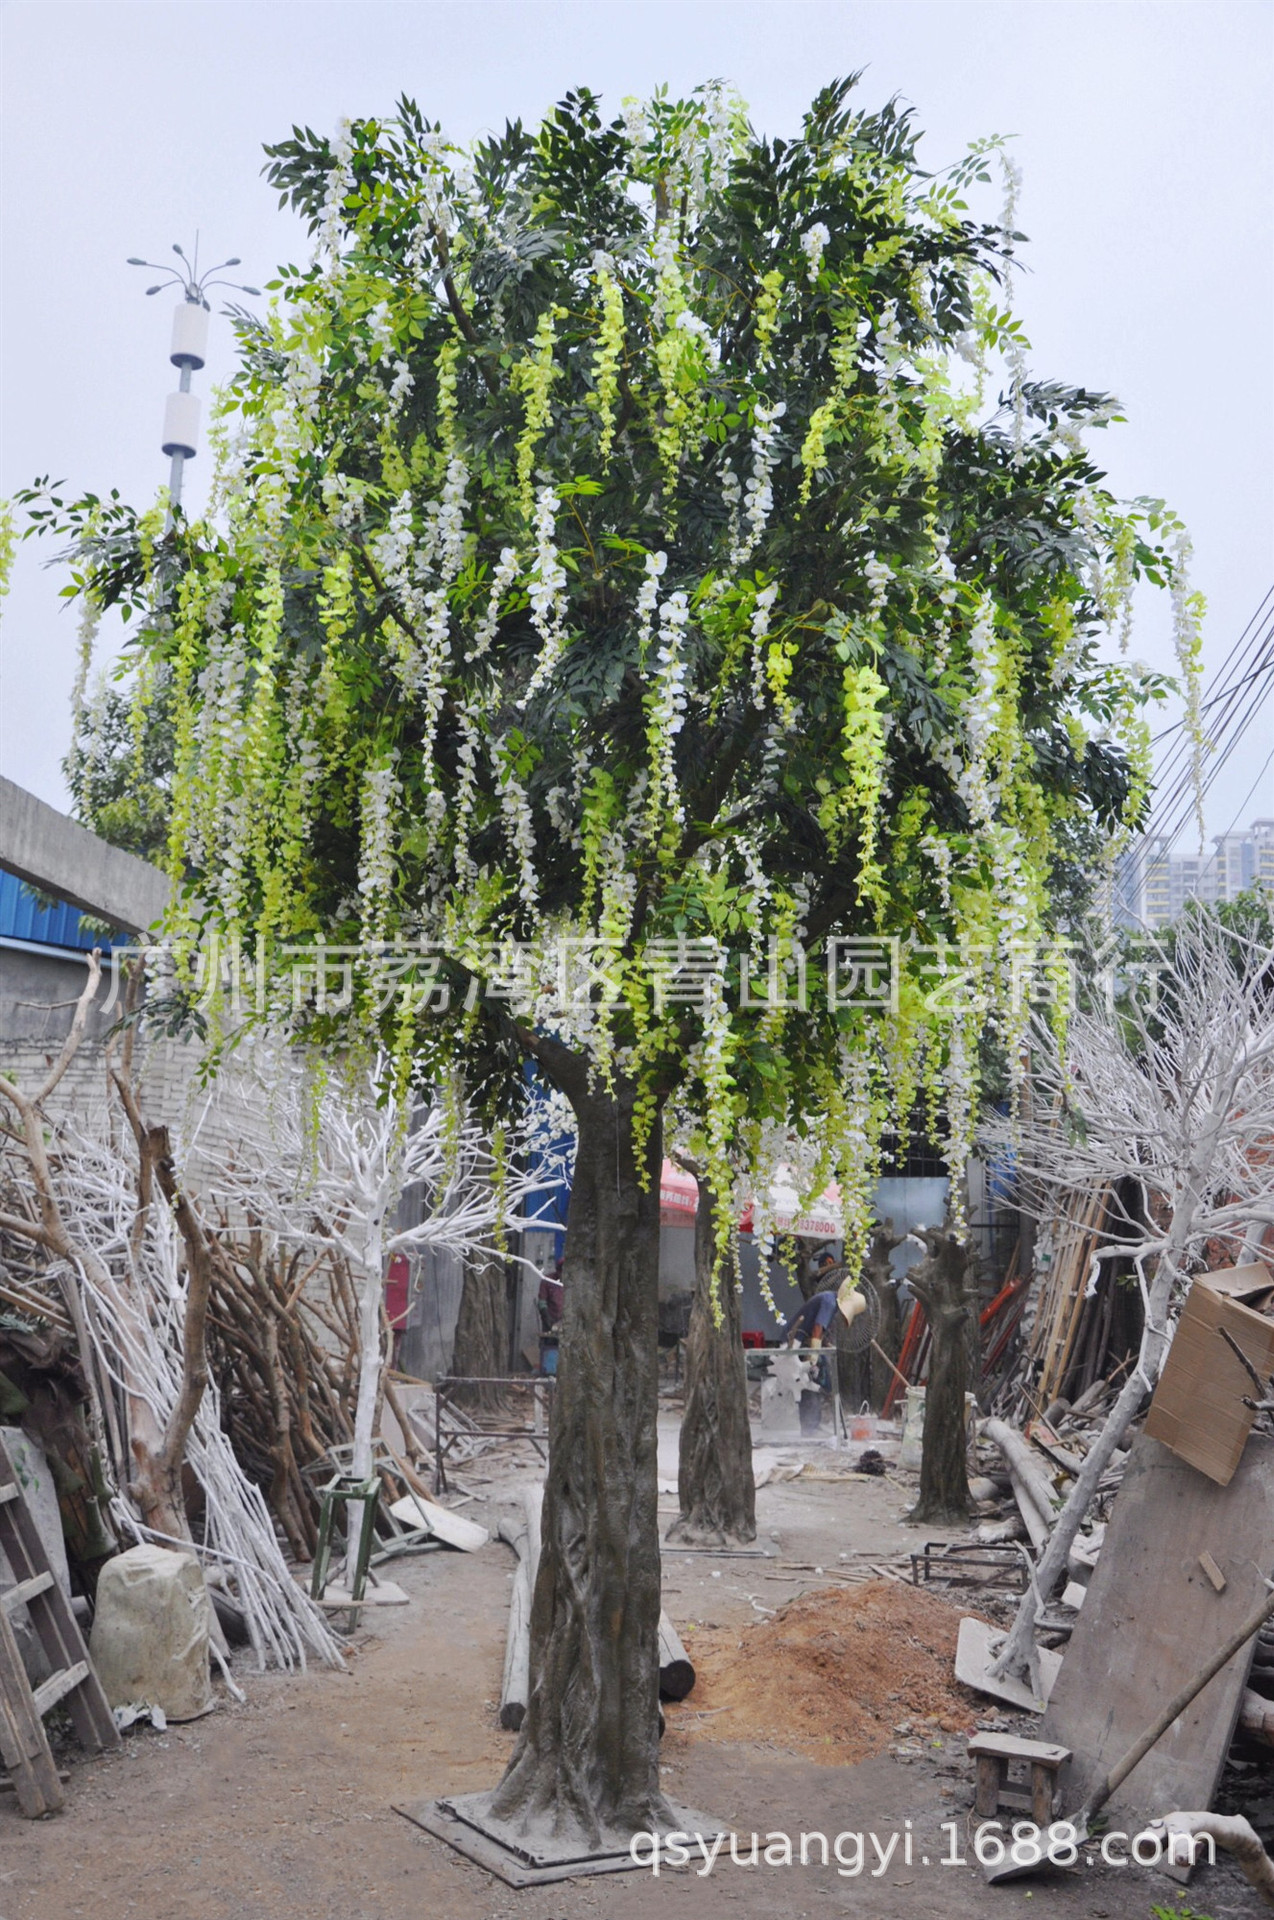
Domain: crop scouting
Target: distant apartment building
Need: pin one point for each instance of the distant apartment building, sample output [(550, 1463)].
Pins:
[(1152, 885)]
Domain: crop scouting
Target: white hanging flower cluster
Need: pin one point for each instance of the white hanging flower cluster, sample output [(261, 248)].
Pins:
[(773, 750), (714, 147), (666, 711), (636, 125), (376, 847), (380, 325), (340, 183), (293, 416), (1070, 429), (466, 788), (344, 499), (306, 754), (758, 896), (688, 322), (395, 548), (519, 824), (448, 541), (85, 640), (219, 816), (670, 296), (878, 574), (400, 387), (813, 241), (648, 600), (943, 570), (468, 194), (445, 537), (759, 492), (502, 579), (1015, 350), (894, 444), (732, 498), (939, 853), (401, 563), (546, 590), (981, 714)]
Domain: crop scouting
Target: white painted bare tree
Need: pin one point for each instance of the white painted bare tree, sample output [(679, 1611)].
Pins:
[(329, 1161), (128, 1249), (1173, 1104), (136, 1279)]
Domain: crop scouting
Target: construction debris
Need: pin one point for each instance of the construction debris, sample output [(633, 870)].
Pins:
[(1149, 1573), (414, 1510), (676, 1668), (1202, 1405)]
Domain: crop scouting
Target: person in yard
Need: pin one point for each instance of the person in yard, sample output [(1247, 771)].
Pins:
[(550, 1300), (810, 1322)]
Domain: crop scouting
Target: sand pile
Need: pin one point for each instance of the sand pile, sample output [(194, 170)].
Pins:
[(832, 1675)]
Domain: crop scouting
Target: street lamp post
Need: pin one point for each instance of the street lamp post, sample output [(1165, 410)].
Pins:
[(188, 353)]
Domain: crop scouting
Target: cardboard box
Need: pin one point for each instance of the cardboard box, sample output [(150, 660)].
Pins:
[(1198, 1409)]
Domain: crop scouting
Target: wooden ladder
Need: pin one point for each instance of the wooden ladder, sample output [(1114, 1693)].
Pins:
[(24, 1746)]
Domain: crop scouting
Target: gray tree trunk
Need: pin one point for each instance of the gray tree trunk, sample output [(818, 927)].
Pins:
[(715, 1486), (939, 1282), (586, 1764), (879, 1273), (482, 1327)]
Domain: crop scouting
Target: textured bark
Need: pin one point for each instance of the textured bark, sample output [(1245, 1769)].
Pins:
[(482, 1329), (939, 1282), (715, 1486), (586, 1764), (879, 1275)]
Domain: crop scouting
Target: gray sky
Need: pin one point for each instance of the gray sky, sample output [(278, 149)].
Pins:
[(1143, 130)]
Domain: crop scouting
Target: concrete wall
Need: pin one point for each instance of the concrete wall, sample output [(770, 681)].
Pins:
[(48, 850)]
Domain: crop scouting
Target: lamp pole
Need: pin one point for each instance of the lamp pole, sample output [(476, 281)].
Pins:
[(188, 353)]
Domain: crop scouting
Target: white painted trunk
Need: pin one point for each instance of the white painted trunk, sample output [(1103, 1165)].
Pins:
[(371, 1361)]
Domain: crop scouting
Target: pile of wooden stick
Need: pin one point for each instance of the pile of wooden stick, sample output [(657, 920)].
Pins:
[(1061, 1292)]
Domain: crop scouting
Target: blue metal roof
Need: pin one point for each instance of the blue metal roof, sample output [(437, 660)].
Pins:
[(23, 918)]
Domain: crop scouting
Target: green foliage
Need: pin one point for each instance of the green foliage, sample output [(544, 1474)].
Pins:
[(120, 770), (611, 545)]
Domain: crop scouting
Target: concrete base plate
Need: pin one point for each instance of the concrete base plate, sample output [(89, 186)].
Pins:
[(386, 1594), (976, 1649), (463, 1822)]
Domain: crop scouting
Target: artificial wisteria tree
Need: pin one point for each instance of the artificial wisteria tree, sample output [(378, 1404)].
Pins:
[(623, 616)]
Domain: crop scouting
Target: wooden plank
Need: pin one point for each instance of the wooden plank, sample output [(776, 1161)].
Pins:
[(1009, 1747), (1213, 1572), (58, 1685), (8, 1492), (977, 1645), (451, 1528), (26, 1590), (1149, 1621), (24, 1746)]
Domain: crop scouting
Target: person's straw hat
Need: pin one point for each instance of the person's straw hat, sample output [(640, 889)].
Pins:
[(850, 1300)]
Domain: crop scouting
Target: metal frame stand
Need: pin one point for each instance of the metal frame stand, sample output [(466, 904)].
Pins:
[(340, 1490)]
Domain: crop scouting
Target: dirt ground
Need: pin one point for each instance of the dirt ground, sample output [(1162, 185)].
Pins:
[(783, 1681), (281, 1808)]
